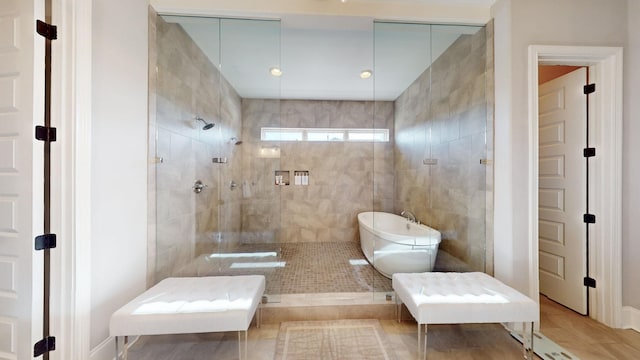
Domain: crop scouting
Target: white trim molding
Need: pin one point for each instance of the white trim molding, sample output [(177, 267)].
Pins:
[(71, 114), (605, 69), (631, 318), (106, 350)]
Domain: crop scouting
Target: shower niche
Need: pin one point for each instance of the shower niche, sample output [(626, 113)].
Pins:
[(282, 177)]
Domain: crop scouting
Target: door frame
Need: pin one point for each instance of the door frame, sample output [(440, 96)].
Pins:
[(605, 69), (71, 171)]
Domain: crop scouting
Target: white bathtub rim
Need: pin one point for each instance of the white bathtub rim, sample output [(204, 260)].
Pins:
[(431, 238)]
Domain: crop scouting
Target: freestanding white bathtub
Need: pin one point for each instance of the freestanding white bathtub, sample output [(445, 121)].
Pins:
[(392, 244)]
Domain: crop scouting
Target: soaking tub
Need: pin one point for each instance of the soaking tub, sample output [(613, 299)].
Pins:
[(392, 244)]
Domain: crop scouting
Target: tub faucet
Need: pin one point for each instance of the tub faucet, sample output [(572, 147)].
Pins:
[(409, 215)]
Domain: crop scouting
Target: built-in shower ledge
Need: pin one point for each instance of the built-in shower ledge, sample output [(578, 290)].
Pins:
[(329, 306)]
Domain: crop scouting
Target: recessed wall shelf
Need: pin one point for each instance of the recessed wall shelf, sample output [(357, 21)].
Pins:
[(301, 177), (282, 177)]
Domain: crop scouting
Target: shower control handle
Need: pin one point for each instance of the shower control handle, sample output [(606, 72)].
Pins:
[(198, 186)]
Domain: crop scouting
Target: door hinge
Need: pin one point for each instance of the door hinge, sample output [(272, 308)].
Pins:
[(589, 152), (590, 282), (46, 241), (48, 31), (589, 218), (588, 89), (44, 346), (44, 133)]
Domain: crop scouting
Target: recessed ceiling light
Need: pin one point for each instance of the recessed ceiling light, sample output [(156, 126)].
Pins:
[(275, 71), (365, 74)]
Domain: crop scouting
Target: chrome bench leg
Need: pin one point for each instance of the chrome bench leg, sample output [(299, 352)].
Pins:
[(117, 349), (243, 353), (527, 341), (125, 354), (422, 349)]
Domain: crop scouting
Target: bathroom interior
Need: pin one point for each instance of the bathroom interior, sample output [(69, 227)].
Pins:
[(267, 138)]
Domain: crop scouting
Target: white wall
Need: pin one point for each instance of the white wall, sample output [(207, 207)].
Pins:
[(630, 163), (541, 22), (119, 154)]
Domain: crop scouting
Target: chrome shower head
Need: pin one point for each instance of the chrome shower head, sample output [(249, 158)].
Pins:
[(207, 125)]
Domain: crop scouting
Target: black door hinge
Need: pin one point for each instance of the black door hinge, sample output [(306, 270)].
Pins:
[(589, 218), (48, 31), (589, 152), (588, 89), (44, 133), (44, 346), (590, 282), (46, 241)]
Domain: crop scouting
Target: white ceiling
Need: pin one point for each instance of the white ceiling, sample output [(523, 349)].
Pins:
[(321, 56)]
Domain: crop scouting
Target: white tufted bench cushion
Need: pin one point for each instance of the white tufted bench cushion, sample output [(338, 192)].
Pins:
[(191, 305), (457, 298)]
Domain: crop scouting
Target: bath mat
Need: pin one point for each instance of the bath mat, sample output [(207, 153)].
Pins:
[(333, 340), (546, 348)]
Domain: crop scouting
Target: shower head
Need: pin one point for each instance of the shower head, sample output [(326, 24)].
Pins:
[(234, 140), (207, 125)]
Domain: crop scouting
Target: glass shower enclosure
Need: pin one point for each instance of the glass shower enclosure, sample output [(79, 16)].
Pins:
[(248, 176)]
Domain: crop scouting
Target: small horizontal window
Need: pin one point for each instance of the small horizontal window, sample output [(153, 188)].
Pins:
[(324, 134)]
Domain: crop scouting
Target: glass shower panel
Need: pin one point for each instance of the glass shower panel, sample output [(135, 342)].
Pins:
[(435, 75), (402, 59), (211, 185), (249, 202), (458, 144), (186, 111)]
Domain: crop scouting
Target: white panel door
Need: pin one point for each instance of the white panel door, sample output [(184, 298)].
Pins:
[(20, 210), (562, 190)]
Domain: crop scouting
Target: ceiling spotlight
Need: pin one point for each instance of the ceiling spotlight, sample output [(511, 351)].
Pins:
[(275, 71), (365, 74)]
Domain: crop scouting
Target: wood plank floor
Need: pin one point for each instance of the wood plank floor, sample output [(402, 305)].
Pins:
[(578, 334), (585, 337)]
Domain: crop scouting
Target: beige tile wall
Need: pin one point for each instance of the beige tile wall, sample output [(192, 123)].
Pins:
[(343, 176), (490, 93), (443, 116)]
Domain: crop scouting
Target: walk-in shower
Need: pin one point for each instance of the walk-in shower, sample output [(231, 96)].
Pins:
[(319, 146)]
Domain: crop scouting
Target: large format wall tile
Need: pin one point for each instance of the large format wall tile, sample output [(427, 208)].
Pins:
[(341, 182)]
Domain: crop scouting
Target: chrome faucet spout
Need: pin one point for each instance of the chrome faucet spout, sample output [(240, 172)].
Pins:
[(409, 215)]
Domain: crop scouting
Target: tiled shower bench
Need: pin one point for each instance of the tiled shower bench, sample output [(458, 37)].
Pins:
[(458, 298), (191, 305)]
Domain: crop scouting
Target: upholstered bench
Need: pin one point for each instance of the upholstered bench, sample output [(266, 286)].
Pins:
[(457, 298), (191, 305)]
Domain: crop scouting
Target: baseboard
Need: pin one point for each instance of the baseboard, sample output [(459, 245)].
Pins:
[(630, 318), (104, 351), (107, 348)]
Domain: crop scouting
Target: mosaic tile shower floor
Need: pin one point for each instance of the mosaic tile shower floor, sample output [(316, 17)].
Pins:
[(297, 268)]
